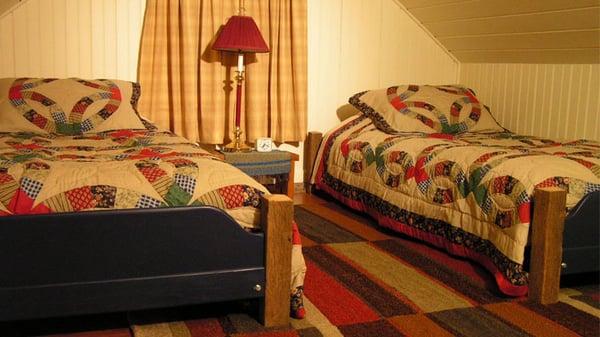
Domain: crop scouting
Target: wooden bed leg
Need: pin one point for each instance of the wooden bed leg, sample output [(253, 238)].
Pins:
[(311, 148), (546, 244), (277, 214)]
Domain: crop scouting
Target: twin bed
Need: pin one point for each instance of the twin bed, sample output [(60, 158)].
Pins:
[(100, 211), (432, 163)]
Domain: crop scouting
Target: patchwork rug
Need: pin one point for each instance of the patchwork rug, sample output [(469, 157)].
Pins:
[(363, 281), (366, 282)]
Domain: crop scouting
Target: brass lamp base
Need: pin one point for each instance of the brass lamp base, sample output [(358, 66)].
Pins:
[(237, 145)]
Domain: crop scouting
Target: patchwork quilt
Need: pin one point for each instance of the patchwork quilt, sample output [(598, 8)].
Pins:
[(470, 193), (47, 173)]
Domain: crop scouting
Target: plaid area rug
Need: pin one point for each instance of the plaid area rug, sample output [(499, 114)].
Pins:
[(366, 282), (363, 281)]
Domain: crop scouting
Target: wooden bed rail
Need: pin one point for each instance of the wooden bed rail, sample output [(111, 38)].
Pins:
[(277, 214), (311, 148), (547, 244)]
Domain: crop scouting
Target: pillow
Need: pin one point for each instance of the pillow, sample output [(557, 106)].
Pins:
[(346, 111), (67, 106), (425, 108)]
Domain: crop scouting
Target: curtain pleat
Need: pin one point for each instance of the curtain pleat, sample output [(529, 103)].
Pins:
[(189, 88)]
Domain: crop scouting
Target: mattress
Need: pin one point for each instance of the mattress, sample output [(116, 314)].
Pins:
[(470, 193)]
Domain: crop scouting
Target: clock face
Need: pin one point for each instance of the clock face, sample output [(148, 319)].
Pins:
[(264, 144)]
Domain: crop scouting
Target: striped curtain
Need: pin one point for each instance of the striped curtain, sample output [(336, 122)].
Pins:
[(189, 88)]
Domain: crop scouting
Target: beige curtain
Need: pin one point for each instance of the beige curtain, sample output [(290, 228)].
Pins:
[(188, 87)]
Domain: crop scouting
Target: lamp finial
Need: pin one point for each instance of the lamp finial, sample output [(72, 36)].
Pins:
[(242, 9)]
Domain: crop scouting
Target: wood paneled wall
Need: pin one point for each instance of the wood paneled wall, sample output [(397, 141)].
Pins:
[(354, 45), (546, 100), (357, 45), (71, 38)]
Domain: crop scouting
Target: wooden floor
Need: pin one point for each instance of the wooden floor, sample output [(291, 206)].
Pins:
[(335, 212)]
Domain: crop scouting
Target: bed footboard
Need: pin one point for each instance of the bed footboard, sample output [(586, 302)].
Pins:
[(108, 261), (581, 239)]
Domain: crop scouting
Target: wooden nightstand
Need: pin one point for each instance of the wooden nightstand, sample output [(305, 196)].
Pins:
[(273, 169)]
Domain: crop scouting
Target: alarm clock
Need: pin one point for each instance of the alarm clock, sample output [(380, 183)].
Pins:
[(264, 144)]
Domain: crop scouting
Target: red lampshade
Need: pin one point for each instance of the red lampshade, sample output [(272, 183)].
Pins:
[(240, 34)]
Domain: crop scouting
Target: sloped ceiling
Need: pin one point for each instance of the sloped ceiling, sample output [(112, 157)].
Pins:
[(513, 31), (5, 5)]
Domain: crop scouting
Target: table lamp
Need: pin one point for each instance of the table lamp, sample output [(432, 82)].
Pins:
[(239, 35)]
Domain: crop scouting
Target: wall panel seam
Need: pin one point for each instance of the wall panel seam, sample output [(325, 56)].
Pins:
[(512, 15), (541, 32)]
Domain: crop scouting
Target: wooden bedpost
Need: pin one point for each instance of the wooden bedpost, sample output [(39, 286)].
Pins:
[(311, 148), (546, 244), (277, 214)]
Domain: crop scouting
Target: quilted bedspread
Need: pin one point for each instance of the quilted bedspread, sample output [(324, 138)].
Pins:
[(470, 193), (118, 169)]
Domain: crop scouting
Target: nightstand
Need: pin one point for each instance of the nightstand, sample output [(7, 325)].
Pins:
[(273, 169)]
